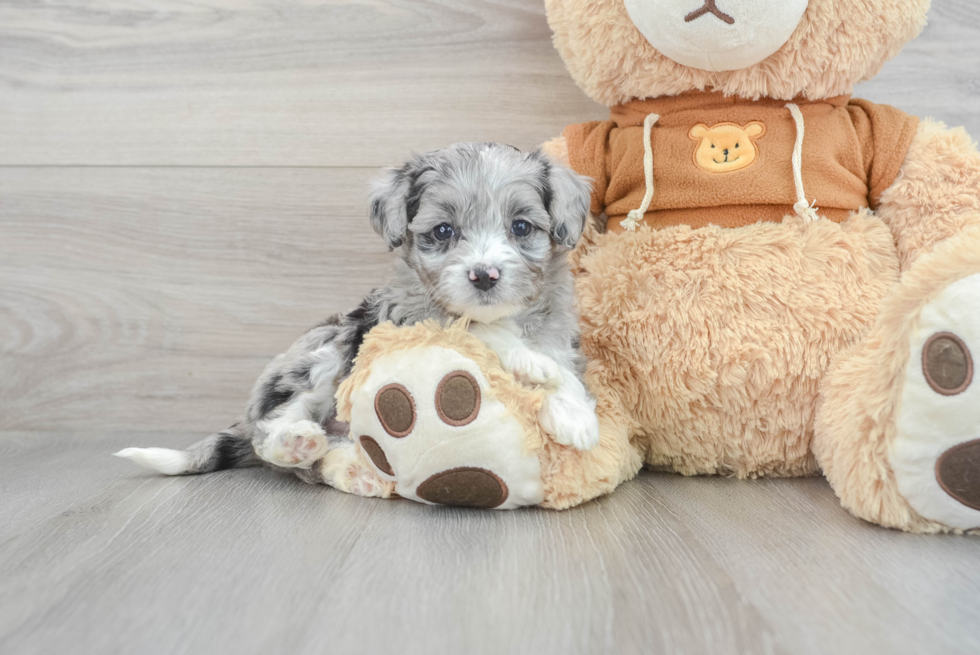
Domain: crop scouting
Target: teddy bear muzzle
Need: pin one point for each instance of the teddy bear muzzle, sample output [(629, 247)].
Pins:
[(721, 35)]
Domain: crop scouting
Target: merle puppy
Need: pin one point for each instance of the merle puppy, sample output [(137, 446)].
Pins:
[(483, 230)]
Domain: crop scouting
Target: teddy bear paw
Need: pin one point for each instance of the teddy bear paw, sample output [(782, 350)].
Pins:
[(570, 421), (430, 424), (296, 445), (936, 452)]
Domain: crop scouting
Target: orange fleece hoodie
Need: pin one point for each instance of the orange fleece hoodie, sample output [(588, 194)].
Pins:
[(729, 161)]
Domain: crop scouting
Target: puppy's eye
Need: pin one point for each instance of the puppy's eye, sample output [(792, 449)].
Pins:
[(736, 145), (520, 228), (443, 231), (712, 146)]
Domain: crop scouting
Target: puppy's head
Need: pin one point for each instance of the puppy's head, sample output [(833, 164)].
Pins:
[(484, 225)]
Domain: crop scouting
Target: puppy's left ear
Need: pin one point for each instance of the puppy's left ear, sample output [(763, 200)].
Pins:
[(566, 196), (395, 198)]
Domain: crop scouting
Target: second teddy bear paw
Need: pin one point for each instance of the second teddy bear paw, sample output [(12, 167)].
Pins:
[(936, 452), (570, 421)]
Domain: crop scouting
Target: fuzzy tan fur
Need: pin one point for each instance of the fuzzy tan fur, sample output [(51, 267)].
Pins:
[(860, 397), (571, 477), (716, 340), (837, 44), (937, 193)]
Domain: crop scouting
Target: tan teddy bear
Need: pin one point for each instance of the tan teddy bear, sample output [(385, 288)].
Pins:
[(786, 281), (812, 309)]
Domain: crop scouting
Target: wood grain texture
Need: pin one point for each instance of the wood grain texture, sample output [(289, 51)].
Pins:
[(359, 83), (220, 82), (152, 298), (106, 559), (182, 193)]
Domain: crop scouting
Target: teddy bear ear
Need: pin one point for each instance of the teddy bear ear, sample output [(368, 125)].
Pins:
[(567, 198), (395, 198), (698, 132), (755, 129)]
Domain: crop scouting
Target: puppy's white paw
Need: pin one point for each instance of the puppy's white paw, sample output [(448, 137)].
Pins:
[(365, 482), (345, 470), (296, 445), (570, 421), (531, 367)]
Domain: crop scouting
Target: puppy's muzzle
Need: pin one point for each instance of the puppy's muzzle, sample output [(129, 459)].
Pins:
[(484, 277)]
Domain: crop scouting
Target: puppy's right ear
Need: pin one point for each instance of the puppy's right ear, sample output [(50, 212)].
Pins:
[(388, 216), (395, 198)]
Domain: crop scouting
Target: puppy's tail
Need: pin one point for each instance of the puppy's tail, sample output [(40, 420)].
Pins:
[(227, 449)]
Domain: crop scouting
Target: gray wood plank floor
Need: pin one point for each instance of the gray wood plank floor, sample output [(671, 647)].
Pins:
[(182, 192)]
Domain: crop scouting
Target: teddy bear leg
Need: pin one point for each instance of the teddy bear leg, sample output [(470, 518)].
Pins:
[(572, 477), (897, 431)]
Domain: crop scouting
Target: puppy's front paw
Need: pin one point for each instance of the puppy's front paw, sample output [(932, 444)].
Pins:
[(530, 367), (570, 421), (344, 469), (296, 445)]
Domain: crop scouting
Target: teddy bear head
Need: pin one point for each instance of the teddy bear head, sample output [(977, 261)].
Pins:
[(620, 50)]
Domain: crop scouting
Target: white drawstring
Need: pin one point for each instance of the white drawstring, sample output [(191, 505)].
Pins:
[(804, 208), (635, 216)]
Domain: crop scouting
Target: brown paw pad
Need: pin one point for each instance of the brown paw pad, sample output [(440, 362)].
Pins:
[(947, 364), (958, 473), (464, 487), (458, 398), (395, 409), (376, 454)]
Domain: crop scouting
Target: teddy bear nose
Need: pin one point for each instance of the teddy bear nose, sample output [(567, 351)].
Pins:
[(726, 152)]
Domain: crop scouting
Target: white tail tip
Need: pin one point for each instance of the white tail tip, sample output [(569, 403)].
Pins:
[(164, 460)]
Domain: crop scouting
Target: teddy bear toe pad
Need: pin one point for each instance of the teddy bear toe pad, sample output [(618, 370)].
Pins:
[(376, 454), (936, 452), (464, 487), (395, 409), (427, 419), (458, 398), (958, 470)]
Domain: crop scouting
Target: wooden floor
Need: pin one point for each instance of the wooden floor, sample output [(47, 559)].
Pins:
[(182, 192)]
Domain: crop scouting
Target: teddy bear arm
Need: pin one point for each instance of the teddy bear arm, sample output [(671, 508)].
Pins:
[(557, 149), (937, 194)]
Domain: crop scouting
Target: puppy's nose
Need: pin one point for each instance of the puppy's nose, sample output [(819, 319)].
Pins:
[(484, 277), (726, 152)]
